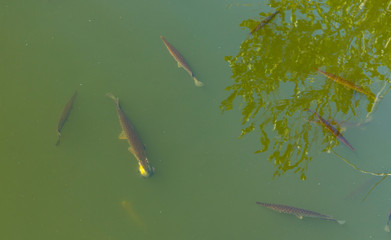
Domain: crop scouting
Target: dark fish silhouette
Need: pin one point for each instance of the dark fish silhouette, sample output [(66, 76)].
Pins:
[(181, 61), (64, 116), (347, 84), (136, 146), (298, 212), (332, 129), (264, 22)]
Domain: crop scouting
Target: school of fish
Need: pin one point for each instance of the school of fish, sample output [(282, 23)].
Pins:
[(137, 148)]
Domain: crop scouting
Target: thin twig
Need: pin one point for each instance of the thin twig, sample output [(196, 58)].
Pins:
[(359, 169), (377, 100), (373, 187)]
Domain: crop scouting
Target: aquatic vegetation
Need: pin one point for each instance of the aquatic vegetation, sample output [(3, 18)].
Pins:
[(274, 80)]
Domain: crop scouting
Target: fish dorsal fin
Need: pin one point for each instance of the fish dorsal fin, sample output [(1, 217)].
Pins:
[(122, 135), (299, 216)]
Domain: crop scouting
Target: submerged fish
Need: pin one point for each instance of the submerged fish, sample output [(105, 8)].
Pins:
[(264, 22), (136, 146), (181, 61), (298, 212), (332, 129), (387, 227), (347, 84), (129, 209), (64, 116), (366, 186)]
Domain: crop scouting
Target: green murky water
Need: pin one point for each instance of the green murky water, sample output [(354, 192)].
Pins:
[(206, 180)]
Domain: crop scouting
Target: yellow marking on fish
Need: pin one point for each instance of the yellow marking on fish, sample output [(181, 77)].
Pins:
[(122, 136), (142, 171), (136, 147)]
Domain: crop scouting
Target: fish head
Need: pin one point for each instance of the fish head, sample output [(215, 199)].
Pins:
[(145, 171)]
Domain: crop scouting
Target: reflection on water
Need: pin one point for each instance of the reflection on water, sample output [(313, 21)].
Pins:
[(276, 79), (89, 188)]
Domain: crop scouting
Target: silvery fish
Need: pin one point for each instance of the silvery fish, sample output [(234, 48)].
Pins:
[(136, 146), (298, 212), (347, 84), (64, 116), (181, 61)]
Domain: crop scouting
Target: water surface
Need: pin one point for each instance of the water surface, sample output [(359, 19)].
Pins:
[(206, 180)]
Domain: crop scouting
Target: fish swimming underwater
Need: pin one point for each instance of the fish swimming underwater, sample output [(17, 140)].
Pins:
[(136, 146), (181, 61), (64, 116), (263, 22), (332, 129), (127, 206), (347, 84), (387, 227), (298, 212)]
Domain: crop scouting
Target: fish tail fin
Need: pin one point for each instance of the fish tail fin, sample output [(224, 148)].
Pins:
[(58, 140), (387, 228), (198, 83), (341, 222), (110, 95)]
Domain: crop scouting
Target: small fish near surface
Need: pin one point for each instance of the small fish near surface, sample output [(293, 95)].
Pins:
[(129, 133), (387, 227), (181, 61), (348, 84), (298, 212), (64, 116), (332, 129), (263, 22)]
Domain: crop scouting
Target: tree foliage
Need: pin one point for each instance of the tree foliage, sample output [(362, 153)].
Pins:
[(275, 76)]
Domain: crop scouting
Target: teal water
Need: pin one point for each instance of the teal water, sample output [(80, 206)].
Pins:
[(206, 180)]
